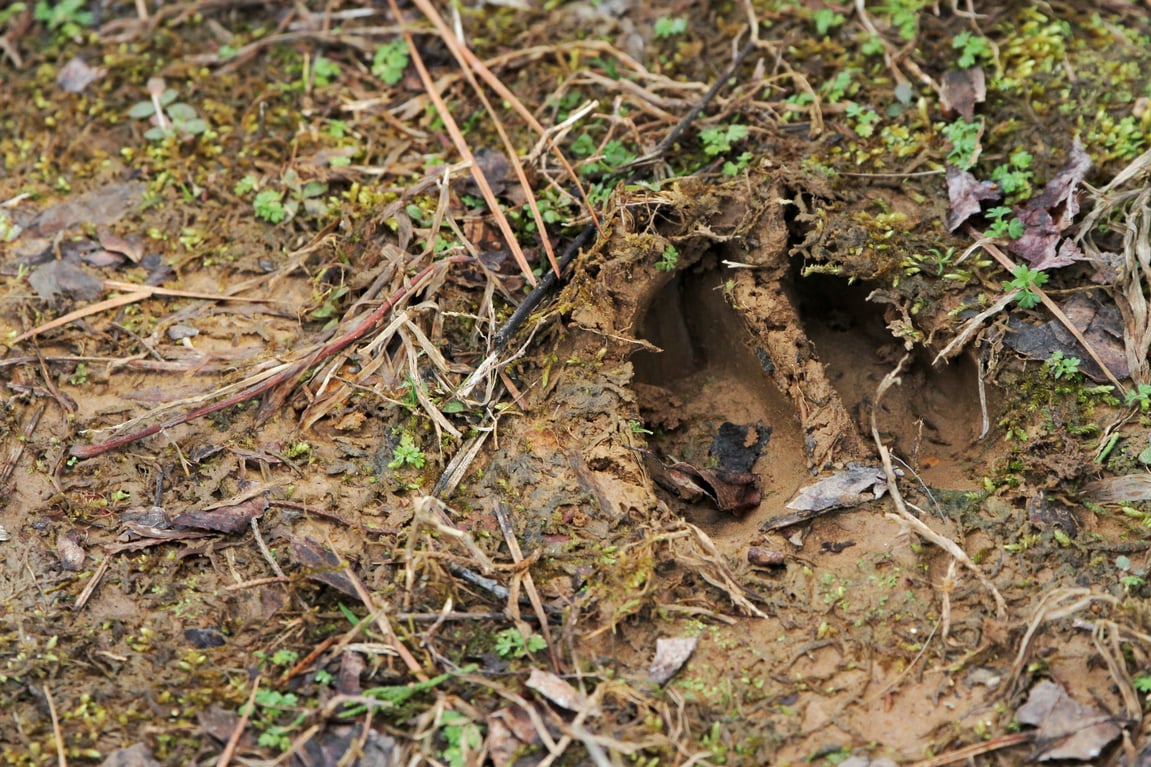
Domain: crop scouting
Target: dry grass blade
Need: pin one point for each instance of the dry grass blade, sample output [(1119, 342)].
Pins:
[(1053, 307), (905, 516), (1129, 212), (1055, 604), (458, 139), (469, 62)]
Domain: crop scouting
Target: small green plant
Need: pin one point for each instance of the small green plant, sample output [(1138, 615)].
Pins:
[(972, 49), (738, 165), (1015, 177), (669, 26), (324, 71), (510, 643), (269, 206), (863, 119), (390, 61), (1025, 280), (1004, 223), (1141, 396), (637, 427), (276, 715), (464, 739), (717, 141), (273, 206), (1060, 367), (668, 259), (1142, 683), (407, 453), (169, 118), (825, 20), (964, 138), (66, 18)]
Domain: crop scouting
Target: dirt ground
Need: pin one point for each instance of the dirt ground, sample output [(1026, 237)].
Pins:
[(829, 445)]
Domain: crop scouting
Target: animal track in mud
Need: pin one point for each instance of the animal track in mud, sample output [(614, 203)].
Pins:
[(713, 375), (932, 418), (706, 395)]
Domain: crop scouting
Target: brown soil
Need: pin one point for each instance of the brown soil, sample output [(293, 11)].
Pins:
[(282, 551)]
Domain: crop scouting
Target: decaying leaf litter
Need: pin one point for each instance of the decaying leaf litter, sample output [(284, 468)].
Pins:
[(282, 481)]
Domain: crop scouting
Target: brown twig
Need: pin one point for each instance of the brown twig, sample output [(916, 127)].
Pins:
[(57, 735), (241, 725)]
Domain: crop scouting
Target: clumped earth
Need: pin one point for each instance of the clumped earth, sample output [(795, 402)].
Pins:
[(830, 446)]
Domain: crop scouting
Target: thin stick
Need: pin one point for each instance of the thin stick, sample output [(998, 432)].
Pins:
[(61, 756), (529, 585), (458, 139), (241, 725)]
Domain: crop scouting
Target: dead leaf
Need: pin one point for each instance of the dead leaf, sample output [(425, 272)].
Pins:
[(670, 655), (1067, 729), (1049, 214), (732, 491), (99, 206), (137, 755), (323, 566), (737, 447), (225, 519), (1098, 321), (962, 89), (557, 690), (853, 486), (966, 192), (131, 248), (76, 75), (64, 278), (1128, 488)]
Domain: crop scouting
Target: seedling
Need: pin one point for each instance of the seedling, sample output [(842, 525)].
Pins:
[(168, 116), (407, 453), (1015, 177), (510, 643), (67, 17), (669, 26), (1141, 396), (826, 20), (717, 141), (1025, 280), (390, 61), (464, 739), (1004, 223), (668, 259), (863, 118), (972, 49), (1062, 367), (270, 204), (964, 138)]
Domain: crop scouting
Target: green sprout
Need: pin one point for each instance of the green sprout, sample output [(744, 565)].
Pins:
[(1004, 223), (66, 17), (1141, 396), (390, 61), (269, 206), (407, 453), (826, 20), (669, 26), (668, 259), (964, 138), (717, 141), (510, 643), (1024, 281), (1060, 367), (972, 49)]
